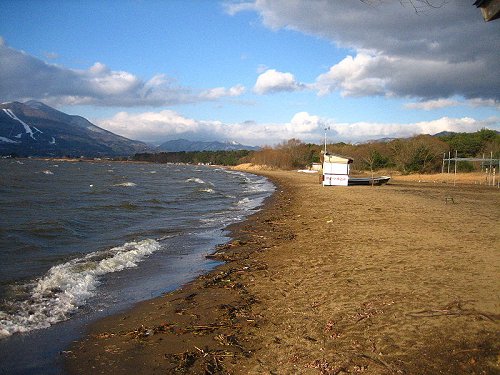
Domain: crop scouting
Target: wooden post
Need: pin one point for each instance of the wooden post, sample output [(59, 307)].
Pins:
[(491, 167), (449, 157), (455, 177), (442, 168)]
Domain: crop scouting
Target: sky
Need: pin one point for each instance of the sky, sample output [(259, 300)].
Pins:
[(256, 72)]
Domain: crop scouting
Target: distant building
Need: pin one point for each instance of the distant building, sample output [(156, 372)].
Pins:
[(335, 170), (489, 8), (316, 166)]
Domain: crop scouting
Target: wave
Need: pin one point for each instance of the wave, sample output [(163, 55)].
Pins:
[(195, 179), (125, 184), (66, 287), (207, 190)]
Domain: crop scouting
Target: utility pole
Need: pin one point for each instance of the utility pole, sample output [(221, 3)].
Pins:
[(327, 128)]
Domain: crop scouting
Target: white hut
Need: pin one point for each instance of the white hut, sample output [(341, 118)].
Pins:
[(335, 170)]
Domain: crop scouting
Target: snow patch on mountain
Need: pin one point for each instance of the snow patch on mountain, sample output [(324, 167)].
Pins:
[(7, 140), (26, 126)]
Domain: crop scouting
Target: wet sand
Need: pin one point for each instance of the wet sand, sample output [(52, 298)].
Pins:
[(402, 278)]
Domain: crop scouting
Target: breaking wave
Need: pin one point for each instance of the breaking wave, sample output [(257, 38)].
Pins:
[(65, 287), (195, 179), (125, 184)]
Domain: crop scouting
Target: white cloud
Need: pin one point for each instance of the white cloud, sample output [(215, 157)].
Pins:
[(353, 77), (272, 81), (233, 8), (220, 92), (303, 122), (477, 102), (150, 126), (362, 131), (25, 77), (164, 125), (429, 105), (440, 53)]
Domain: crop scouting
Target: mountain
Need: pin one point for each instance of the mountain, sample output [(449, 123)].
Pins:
[(185, 145), (444, 133), (35, 129)]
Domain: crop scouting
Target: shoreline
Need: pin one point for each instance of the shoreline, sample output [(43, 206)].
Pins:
[(181, 302), (327, 280)]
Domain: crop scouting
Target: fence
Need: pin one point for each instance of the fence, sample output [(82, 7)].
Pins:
[(489, 166)]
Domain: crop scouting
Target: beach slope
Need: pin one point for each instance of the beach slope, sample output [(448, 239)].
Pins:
[(401, 278)]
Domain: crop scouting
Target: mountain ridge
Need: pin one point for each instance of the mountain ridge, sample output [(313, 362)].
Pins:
[(36, 129), (179, 145)]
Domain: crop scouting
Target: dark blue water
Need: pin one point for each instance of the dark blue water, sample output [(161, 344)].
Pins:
[(80, 240)]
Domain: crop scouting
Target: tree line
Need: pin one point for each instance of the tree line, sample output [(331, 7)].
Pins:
[(418, 154), (194, 157)]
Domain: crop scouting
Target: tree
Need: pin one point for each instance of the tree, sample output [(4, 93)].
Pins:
[(421, 153), (473, 144), (373, 155)]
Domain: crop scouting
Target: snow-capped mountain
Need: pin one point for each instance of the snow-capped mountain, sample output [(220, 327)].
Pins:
[(185, 145), (35, 129)]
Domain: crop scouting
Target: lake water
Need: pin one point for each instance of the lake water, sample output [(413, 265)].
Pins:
[(81, 240)]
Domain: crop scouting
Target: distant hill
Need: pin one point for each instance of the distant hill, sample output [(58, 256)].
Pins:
[(444, 134), (185, 145), (35, 129)]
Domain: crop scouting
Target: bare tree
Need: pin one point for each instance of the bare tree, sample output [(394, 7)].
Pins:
[(418, 5)]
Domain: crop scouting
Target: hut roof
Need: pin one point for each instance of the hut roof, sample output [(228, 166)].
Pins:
[(331, 158)]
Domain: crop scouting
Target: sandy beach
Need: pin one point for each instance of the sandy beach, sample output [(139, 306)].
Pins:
[(397, 279)]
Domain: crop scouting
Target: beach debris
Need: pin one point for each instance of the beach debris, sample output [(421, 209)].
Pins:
[(185, 360), (202, 329), (228, 340), (113, 349), (324, 367), (104, 335), (223, 252), (143, 331)]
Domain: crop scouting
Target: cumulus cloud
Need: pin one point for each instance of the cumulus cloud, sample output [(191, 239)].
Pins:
[(303, 122), (166, 125), (439, 53), (26, 77), (272, 81), (150, 126), (353, 76)]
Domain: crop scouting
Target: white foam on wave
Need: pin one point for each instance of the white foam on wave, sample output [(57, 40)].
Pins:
[(68, 286), (254, 184), (207, 190), (47, 172), (126, 184), (195, 179), (246, 203)]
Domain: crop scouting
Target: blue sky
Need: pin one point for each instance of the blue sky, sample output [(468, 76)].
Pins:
[(258, 72)]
